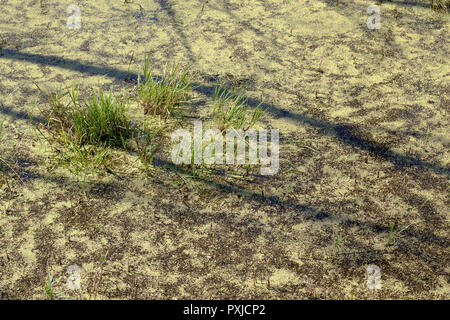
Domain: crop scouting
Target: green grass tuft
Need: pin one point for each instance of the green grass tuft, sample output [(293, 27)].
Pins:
[(83, 132), (101, 121), (391, 235), (49, 290), (147, 144), (163, 96), (231, 109)]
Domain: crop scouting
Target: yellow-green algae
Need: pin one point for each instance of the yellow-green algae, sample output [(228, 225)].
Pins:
[(325, 78)]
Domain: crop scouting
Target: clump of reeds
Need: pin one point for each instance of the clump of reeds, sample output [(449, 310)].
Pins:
[(163, 96)]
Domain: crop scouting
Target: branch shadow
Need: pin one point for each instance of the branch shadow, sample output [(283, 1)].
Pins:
[(400, 3), (407, 3), (20, 114), (166, 7), (309, 211), (345, 133)]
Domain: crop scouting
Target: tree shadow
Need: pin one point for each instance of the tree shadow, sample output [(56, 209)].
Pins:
[(20, 114), (345, 133), (407, 3), (306, 211), (401, 3), (166, 7)]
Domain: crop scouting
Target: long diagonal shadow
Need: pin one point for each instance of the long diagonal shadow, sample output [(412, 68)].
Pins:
[(341, 132), (409, 3), (344, 133), (20, 114), (313, 213), (165, 6), (308, 211)]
